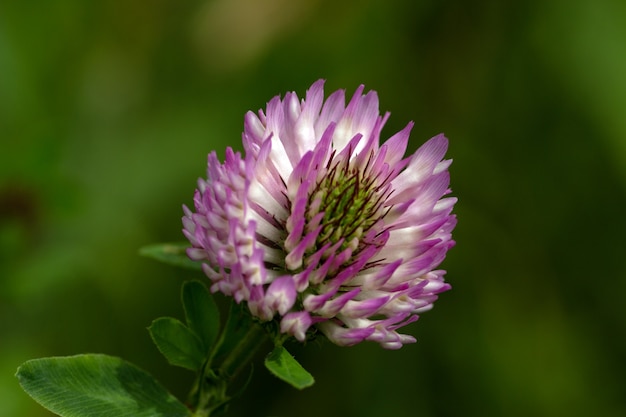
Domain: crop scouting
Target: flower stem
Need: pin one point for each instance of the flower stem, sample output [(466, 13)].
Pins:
[(233, 352), (244, 351)]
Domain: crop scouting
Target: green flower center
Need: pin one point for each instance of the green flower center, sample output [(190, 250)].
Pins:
[(351, 202)]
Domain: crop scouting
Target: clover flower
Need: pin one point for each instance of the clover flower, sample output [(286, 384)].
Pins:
[(319, 226)]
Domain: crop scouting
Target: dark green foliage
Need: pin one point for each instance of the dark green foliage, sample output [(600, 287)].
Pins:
[(96, 386)]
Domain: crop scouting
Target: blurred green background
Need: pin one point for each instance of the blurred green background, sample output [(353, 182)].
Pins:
[(109, 108)]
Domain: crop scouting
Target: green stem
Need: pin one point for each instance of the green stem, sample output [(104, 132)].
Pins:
[(244, 351), (214, 379)]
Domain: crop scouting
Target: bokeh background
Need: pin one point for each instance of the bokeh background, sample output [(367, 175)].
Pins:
[(109, 108)]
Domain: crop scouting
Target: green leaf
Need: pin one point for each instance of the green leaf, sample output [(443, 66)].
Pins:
[(172, 254), (96, 386), (203, 317), (284, 366), (177, 343)]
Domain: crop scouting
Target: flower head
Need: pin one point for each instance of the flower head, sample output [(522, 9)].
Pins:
[(320, 226)]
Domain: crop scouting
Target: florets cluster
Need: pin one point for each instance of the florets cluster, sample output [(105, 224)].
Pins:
[(320, 226)]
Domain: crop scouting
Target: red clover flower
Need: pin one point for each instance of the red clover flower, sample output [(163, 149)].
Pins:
[(319, 226)]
